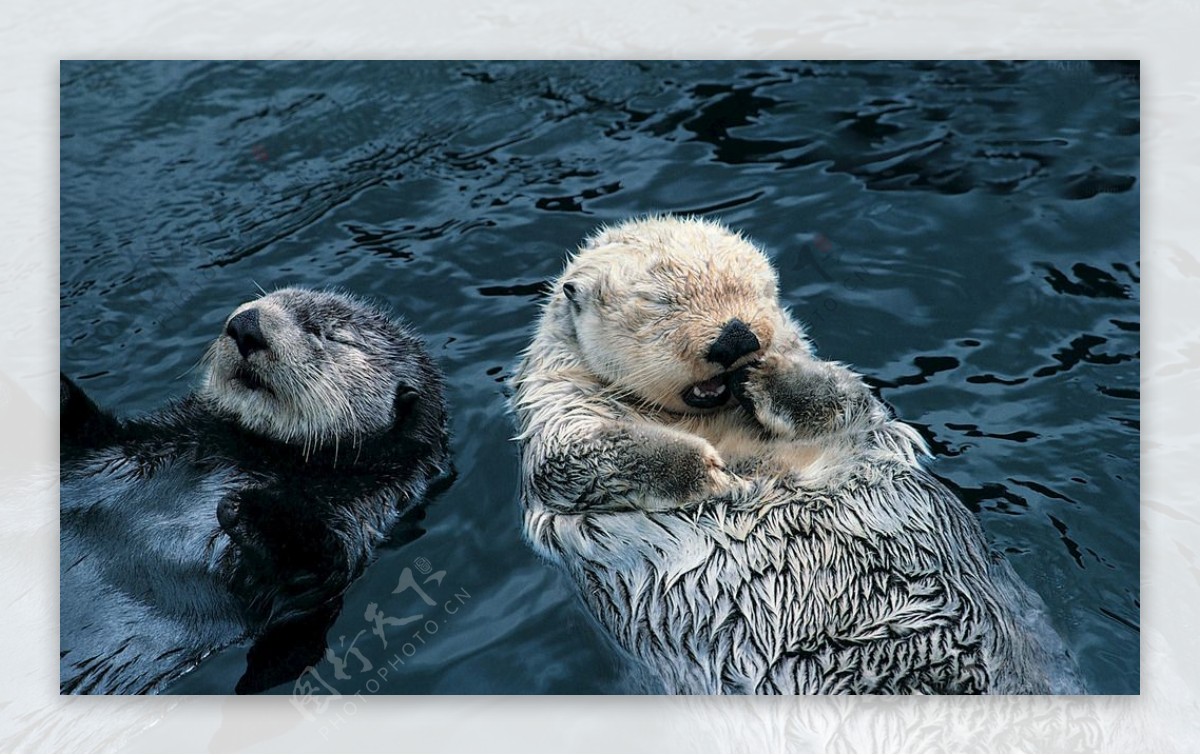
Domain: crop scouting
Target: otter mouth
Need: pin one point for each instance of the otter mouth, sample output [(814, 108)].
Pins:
[(247, 378), (707, 394)]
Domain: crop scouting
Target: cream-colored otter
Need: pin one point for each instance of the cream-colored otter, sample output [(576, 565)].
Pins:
[(740, 515)]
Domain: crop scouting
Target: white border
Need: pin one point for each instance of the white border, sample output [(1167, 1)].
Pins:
[(35, 35)]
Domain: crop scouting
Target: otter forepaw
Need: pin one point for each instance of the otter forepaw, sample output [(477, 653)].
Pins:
[(752, 387), (229, 516), (675, 471), (801, 397)]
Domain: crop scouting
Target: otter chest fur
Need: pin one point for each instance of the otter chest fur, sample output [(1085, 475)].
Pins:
[(741, 516)]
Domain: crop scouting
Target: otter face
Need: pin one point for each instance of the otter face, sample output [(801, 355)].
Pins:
[(311, 367), (665, 309)]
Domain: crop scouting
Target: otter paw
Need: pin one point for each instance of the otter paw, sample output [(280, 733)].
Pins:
[(689, 470), (750, 384), (677, 474), (233, 521), (802, 397)]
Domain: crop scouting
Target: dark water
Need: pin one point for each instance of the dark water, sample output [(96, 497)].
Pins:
[(966, 234)]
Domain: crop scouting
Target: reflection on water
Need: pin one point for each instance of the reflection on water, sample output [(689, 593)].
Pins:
[(963, 233)]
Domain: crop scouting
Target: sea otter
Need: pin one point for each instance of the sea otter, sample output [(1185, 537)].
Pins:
[(740, 515), (243, 511)]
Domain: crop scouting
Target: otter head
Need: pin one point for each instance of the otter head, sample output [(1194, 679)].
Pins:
[(312, 367), (665, 309)]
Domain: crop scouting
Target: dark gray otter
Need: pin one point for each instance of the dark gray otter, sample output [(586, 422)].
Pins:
[(243, 511)]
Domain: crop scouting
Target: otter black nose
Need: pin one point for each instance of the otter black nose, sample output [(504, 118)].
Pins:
[(736, 341), (246, 333)]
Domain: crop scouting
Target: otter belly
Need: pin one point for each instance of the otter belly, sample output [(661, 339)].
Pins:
[(887, 592), (141, 601)]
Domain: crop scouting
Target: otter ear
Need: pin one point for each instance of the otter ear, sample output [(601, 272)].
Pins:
[(580, 290), (574, 292), (403, 405)]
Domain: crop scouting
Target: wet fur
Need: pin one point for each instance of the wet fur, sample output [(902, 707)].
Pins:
[(208, 522), (788, 542)]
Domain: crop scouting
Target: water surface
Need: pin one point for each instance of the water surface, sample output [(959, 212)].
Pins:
[(965, 234)]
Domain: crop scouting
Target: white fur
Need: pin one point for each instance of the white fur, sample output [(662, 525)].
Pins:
[(800, 548)]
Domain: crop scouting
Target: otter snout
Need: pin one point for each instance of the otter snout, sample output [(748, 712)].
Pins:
[(246, 332), (736, 341)]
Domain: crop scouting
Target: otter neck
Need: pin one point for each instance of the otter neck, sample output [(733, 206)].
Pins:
[(225, 436)]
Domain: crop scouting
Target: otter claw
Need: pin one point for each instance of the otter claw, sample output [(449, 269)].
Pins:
[(737, 385)]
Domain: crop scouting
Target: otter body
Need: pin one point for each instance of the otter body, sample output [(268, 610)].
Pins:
[(741, 516), (243, 511)]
